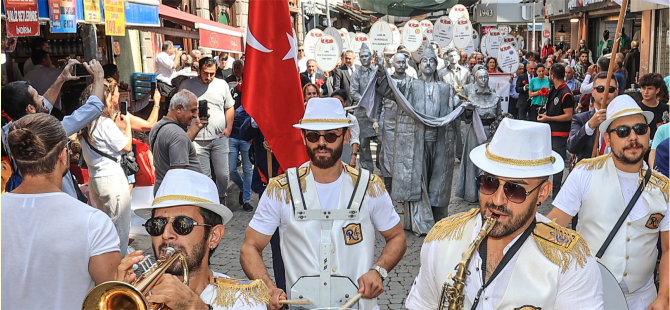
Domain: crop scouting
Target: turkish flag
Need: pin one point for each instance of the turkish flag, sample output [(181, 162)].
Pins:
[(272, 89)]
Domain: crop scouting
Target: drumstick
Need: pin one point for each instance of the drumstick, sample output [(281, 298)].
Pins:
[(297, 302), (351, 301)]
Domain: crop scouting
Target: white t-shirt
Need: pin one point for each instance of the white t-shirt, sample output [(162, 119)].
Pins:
[(164, 70), (209, 294), (47, 242), (110, 140), (271, 214)]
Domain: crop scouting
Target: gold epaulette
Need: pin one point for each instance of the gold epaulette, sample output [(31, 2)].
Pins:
[(593, 163), (277, 188), (560, 245), (450, 227), (229, 291), (659, 180), (376, 186)]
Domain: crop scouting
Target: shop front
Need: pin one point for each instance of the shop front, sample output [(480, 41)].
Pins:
[(512, 18)]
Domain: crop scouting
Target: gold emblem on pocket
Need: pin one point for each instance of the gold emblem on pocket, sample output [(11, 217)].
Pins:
[(352, 234)]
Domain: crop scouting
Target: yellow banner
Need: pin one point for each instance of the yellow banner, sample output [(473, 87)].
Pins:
[(92, 11), (115, 18)]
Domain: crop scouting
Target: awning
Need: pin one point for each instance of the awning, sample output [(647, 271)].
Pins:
[(353, 13), (212, 35), (409, 8)]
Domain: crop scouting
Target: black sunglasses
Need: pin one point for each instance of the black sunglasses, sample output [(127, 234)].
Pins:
[(314, 136), (601, 89), (515, 193), (301, 50), (624, 131), (182, 225)]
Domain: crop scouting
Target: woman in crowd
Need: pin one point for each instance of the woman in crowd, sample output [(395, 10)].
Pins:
[(102, 144), (310, 91), (492, 65)]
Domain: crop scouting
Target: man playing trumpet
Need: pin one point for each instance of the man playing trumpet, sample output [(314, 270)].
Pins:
[(525, 261)]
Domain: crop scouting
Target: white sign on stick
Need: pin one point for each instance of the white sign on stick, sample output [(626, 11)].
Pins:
[(425, 25), (419, 52), (482, 45), (346, 42), (508, 58), (311, 38), (412, 37), (331, 31), (462, 33), (357, 43), (493, 42), (458, 11), (500, 82), (443, 32), (509, 39), (381, 36), (327, 53)]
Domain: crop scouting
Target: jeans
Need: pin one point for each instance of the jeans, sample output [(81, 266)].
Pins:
[(238, 146), (214, 153)]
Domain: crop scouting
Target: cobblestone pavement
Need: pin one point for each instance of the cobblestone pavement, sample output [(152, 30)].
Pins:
[(226, 259)]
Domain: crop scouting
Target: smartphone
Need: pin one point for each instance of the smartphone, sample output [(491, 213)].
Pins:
[(153, 88), (202, 109), (123, 107), (80, 70)]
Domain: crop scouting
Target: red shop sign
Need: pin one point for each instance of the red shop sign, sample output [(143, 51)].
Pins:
[(22, 18), (219, 41)]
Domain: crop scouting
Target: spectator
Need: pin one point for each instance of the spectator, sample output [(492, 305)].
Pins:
[(572, 83), (196, 55), (43, 75), (310, 75), (653, 88), (342, 76), (238, 72), (661, 160), (349, 151), (472, 62), (662, 134), (464, 58), (529, 56), (212, 143), (37, 43), (619, 76), (602, 65), (302, 60), (310, 91), (492, 65), (172, 146), (513, 94), (167, 63), (224, 65), (522, 84), (22, 99), (102, 144), (239, 148), (137, 123), (558, 116), (582, 66), (480, 58), (47, 232), (536, 84), (632, 63), (620, 58), (580, 140)]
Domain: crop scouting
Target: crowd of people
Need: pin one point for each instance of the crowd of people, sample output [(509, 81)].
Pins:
[(425, 116)]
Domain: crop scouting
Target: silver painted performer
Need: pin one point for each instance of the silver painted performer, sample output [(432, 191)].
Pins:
[(369, 130), (457, 76)]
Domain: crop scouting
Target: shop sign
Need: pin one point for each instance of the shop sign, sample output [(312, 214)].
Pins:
[(92, 11), (115, 18), (63, 14), (220, 42), (22, 18)]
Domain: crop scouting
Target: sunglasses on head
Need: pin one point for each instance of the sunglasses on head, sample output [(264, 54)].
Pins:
[(313, 136), (515, 193), (601, 89), (182, 225), (624, 131)]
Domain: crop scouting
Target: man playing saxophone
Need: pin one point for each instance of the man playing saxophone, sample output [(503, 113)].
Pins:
[(186, 216), (505, 254)]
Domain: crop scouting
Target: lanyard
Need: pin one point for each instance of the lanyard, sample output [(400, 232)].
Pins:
[(508, 256)]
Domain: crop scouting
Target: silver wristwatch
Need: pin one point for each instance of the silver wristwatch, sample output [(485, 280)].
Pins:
[(382, 272)]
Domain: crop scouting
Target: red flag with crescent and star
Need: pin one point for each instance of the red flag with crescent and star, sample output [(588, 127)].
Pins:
[(272, 89)]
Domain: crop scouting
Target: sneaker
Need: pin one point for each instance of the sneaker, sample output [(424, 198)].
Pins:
[(240, 199), (247, 207)]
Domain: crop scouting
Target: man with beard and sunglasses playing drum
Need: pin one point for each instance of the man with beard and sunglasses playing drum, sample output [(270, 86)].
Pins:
[(525, 261), (604, 192), (186, 216), (327, 214)]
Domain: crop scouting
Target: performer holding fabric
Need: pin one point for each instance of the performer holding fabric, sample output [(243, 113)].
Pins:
[(484, 101), (457, 76), (369, 128), (327, 214), (523, 260), (603, 191)]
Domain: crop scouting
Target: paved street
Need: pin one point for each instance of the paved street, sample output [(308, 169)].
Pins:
[(226, 259)]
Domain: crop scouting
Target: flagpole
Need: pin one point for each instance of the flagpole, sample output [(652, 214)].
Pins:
[(610, 71)]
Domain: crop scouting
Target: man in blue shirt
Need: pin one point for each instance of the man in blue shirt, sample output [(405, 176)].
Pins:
[(621, 80), (513, 94)]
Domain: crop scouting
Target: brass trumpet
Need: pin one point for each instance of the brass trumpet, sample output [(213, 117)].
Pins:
[(117, 295)]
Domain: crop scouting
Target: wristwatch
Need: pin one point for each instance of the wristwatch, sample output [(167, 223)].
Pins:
[(354, 153), (382, 272)]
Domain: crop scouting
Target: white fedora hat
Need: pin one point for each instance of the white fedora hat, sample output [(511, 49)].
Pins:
[(519, 149), (621, 106), (183, 187), (324, 114)]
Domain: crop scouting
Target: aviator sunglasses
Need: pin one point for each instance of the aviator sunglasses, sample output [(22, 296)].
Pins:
[(514, 192), (624, 131), (314, 136), (182, 225)]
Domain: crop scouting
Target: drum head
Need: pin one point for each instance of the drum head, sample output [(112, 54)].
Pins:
[(613, 298)]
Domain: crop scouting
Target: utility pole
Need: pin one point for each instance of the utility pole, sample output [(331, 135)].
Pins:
[(328, 22)]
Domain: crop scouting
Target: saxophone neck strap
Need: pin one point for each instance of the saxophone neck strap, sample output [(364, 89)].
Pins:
[(505, 260)]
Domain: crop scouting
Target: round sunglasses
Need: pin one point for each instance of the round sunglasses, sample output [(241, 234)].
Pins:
[(313, 136), (601, 89), (182, 225), (624, 131), (515, 193)]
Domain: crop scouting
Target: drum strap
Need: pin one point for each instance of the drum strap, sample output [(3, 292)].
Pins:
[(623, 216)]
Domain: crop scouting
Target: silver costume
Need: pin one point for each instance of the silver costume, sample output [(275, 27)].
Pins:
[(359, 81), (457, 76), (484, 102)]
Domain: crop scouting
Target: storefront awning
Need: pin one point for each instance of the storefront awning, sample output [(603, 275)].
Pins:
[(212, 35), (353, 13), (410, 8)]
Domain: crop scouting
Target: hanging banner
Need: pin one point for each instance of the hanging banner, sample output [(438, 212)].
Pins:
[(333, 32), (346, 42), (357, 43), (115, 18), (92, 11), (508, 58), (427, 28), (311, 38), (493, 42), (63, 14), (412, 37), (443, 32), (458, 11), (381, 36), (462, 33), (500, 82), (22, 18), (327, 53), (419, 52)]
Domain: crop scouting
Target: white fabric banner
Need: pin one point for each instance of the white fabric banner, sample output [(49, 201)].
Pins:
[(500, 82)]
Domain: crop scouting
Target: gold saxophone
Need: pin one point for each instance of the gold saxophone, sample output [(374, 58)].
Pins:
[(453, 294)]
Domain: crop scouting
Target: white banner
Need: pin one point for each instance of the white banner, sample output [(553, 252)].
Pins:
[(443, 32), (327, 53), (412, 37), (500, 82), (381, 36), (462, 33)]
